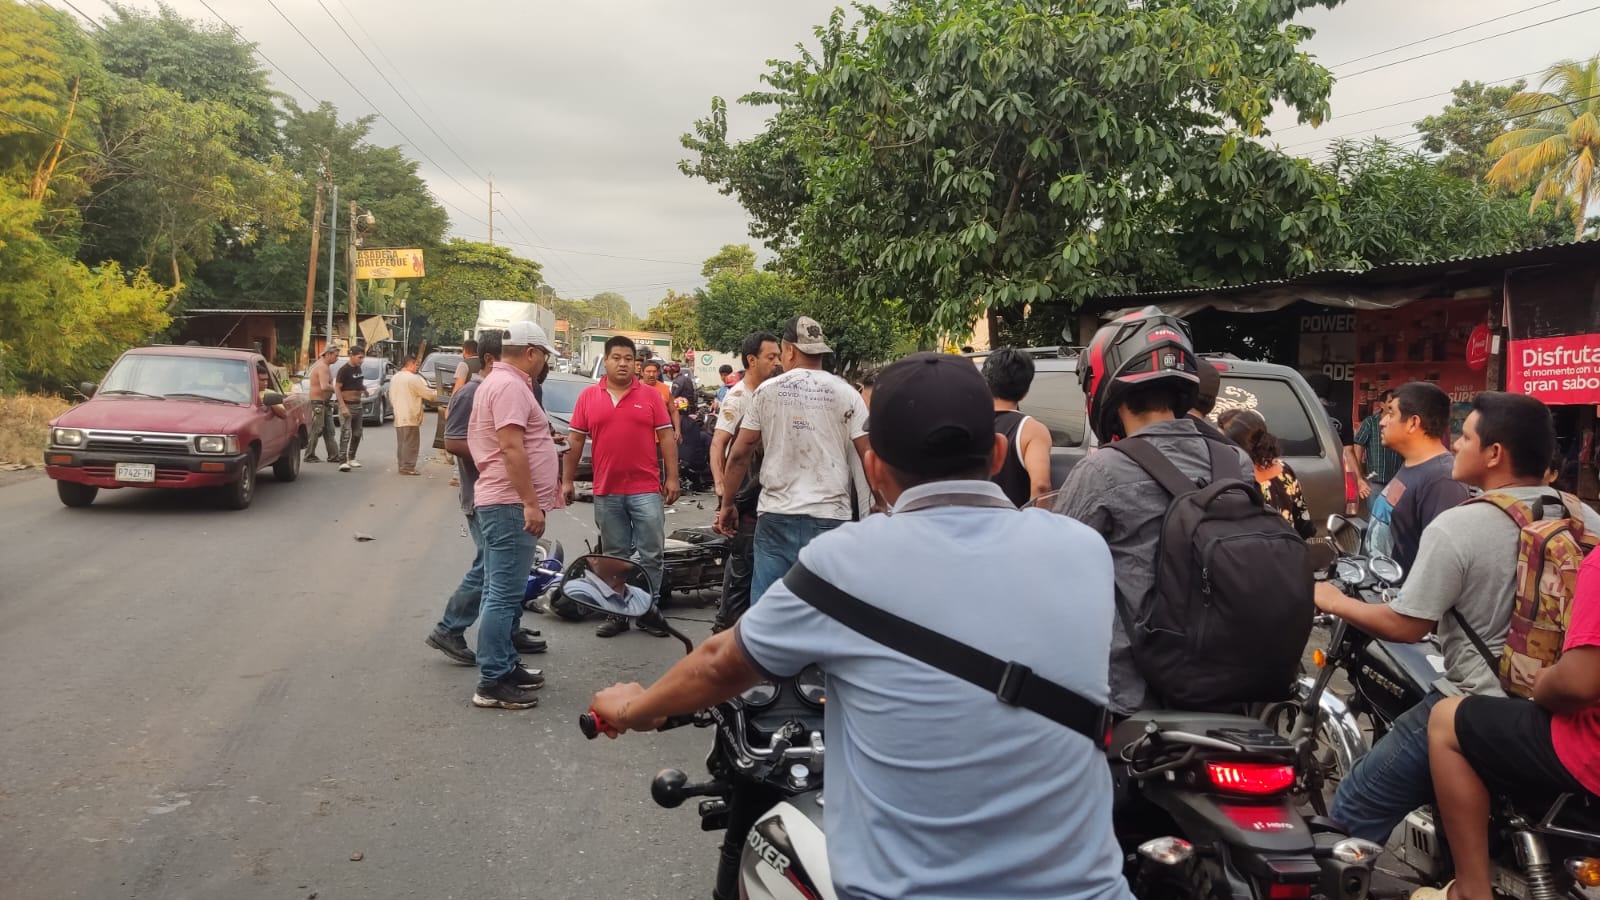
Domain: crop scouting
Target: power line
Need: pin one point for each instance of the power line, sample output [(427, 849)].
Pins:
[(578, 279), (1417, 137), (257, 51), (420, 117), (1498, 34), (1446, 33), (1409, 100), (74, 8)]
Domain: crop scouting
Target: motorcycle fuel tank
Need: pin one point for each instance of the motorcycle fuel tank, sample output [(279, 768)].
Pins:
[(1393, 677), (786, 857)]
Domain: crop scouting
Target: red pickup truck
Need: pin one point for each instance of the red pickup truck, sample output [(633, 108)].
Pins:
[(179, 417)]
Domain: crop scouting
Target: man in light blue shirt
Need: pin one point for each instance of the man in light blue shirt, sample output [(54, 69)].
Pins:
[(935, 788)]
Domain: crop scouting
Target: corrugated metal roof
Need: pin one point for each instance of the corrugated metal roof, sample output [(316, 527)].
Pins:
[(1548, 254)]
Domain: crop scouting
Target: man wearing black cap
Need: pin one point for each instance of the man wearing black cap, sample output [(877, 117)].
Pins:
[(938, 788), (808, 424)]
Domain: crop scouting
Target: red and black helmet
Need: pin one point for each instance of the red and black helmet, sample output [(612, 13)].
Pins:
[(1140, 348)]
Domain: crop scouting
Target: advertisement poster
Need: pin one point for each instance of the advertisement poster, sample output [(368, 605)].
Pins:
[(1328, 348), (389, 262), (1458, 379), (1561, 370), (1423, 341)]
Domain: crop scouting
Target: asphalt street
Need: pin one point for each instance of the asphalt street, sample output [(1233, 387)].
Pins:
[(200, 703)]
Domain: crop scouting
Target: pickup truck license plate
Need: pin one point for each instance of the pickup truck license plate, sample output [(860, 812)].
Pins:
[(145, 472)]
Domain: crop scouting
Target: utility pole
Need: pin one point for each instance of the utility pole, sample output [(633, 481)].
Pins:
[(333, 253), (311, 279), (351, 252), (491, 210)]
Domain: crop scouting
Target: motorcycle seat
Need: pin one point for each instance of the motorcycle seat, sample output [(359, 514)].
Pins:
[(1243, 730)]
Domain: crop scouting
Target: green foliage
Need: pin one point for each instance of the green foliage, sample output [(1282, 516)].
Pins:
[(734, 305), (1555, 146), (60, 321), (736, 258), (464, 272), (944, 156), (1464, 129), (610, 309), (1401, 206), (675, 314)]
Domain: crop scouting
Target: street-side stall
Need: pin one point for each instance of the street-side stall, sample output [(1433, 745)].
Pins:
[(1553, 322)]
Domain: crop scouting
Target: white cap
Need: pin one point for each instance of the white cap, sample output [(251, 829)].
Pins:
[(523, 333)]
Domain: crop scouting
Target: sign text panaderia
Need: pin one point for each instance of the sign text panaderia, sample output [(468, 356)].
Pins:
[(389, 262)]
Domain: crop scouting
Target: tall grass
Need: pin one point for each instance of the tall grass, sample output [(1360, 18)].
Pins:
[(24, 426)]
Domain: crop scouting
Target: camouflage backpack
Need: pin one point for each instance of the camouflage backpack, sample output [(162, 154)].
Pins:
[(1549, 553)]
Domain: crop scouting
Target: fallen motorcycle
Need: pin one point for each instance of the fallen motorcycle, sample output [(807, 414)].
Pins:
[(765, 765)]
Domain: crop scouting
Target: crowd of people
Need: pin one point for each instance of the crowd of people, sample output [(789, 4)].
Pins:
[(931, 460)]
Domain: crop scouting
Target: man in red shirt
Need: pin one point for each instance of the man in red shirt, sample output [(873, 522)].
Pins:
[(627, 420), (1529, 751)]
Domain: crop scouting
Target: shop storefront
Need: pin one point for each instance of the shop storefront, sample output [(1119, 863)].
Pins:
[(1553, 353)]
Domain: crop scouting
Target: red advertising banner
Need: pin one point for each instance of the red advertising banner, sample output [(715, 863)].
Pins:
[(1564, 370)]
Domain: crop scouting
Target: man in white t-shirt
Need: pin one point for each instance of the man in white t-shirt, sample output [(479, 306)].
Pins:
[(760, 354), (808, 424)]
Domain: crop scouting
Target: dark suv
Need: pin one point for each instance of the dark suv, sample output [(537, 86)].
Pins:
[(1280, 394)]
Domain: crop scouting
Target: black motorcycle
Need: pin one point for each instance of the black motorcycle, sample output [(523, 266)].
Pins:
[(1385, 680)]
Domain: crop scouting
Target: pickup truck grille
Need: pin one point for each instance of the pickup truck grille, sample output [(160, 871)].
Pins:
[(135, 442)]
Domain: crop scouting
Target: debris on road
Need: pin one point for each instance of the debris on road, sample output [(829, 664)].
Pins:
[(363, 536), (354, 857)]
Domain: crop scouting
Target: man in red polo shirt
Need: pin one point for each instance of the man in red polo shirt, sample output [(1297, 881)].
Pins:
[(628, 422)]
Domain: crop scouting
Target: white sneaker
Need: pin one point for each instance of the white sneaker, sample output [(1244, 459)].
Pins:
[(1432, 893), (355, 463), (344, 467)]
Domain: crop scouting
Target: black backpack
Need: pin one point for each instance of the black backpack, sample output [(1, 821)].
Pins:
[(1232, 605)]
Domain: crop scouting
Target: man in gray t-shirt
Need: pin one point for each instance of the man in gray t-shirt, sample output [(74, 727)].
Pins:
[(934, 787), (1466, 565)]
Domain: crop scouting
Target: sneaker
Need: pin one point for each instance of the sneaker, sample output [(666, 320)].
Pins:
[(611, 627), (355, 463), (527, 641), (344, 467), (526, 678), (453, 646), (503, 694)]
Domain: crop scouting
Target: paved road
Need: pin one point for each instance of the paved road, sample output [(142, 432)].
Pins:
[(200, 704)]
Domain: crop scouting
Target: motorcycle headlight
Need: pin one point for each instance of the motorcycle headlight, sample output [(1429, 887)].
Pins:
[(216, 443), (66, 437)]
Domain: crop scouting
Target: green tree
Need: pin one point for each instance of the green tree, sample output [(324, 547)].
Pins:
[(575, 312), (675, 314), (733, 305), (1464, 129), (1401, 206), (957, 155), (736, 258), (1555, 145), (612, 310), (464, 272)]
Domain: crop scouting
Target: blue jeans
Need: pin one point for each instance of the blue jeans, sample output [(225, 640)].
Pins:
[(779, 537), (1391, 780), (461, 610), (507, 558), (633, 526)]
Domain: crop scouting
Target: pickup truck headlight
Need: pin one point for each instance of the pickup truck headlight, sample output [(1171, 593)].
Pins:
[(66, 437), (216, 443)]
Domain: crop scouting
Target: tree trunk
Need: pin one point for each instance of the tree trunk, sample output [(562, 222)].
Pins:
[(45, 171), (1582, 215)]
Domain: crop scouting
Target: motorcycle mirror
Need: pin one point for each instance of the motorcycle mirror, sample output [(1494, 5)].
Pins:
[(1387, 570), (609, 585), (1346, 535)]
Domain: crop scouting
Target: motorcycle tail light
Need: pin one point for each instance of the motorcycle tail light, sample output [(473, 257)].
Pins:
[(1288, 891), (1257, 779), (1585, 870)]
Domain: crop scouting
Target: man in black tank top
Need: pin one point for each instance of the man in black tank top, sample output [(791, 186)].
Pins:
[(1026, 472)]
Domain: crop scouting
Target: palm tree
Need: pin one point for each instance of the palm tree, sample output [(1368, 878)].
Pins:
[(1557, 142)]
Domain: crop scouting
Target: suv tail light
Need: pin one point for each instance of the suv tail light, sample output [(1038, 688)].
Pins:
[(1256, 779)]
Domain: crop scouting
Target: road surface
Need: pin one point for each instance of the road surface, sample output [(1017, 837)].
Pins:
[(201, 703)]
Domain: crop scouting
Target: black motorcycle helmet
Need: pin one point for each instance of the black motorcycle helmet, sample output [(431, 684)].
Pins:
[(1141, 348)]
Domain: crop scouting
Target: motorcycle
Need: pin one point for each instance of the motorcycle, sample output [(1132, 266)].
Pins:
[(765, 765), (547, 560), (1386, 679)]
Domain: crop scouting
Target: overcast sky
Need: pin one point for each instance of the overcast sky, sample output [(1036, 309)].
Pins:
[(575, 108)]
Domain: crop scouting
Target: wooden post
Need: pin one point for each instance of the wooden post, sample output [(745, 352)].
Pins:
[(351, 253), (304, 359)]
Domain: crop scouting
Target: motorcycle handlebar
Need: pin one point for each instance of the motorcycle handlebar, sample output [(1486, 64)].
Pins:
[(593, 726)]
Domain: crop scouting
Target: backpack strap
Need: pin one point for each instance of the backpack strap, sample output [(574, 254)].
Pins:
[(1520, 513), (1012, 683), (1478, 642), (1155, 464)]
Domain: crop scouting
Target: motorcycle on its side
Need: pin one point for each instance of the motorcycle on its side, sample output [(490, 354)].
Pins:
[(1545, 856), (766, 763)]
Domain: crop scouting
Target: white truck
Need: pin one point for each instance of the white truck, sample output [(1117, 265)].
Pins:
[(499, 314), (591, 346)]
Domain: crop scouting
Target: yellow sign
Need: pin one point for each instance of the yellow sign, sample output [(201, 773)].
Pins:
[(388, 262)]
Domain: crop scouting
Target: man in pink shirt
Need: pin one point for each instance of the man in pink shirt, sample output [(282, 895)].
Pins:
[(628, 422), (518, 482)]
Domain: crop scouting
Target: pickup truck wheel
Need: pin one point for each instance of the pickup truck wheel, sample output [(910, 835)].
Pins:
[(287, 468), (239, 494), (74, 494)]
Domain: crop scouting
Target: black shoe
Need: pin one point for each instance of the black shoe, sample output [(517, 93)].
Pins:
[(526, 678), (611, 627), (527, 641), (503, 694), (312, 458), (653, 624), (453, 646)]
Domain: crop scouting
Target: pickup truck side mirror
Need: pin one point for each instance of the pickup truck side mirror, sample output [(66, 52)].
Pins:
[(271, 398), (87, 388)]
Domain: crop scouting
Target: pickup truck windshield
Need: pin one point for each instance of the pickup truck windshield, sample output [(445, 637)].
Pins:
[(160, 375)]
